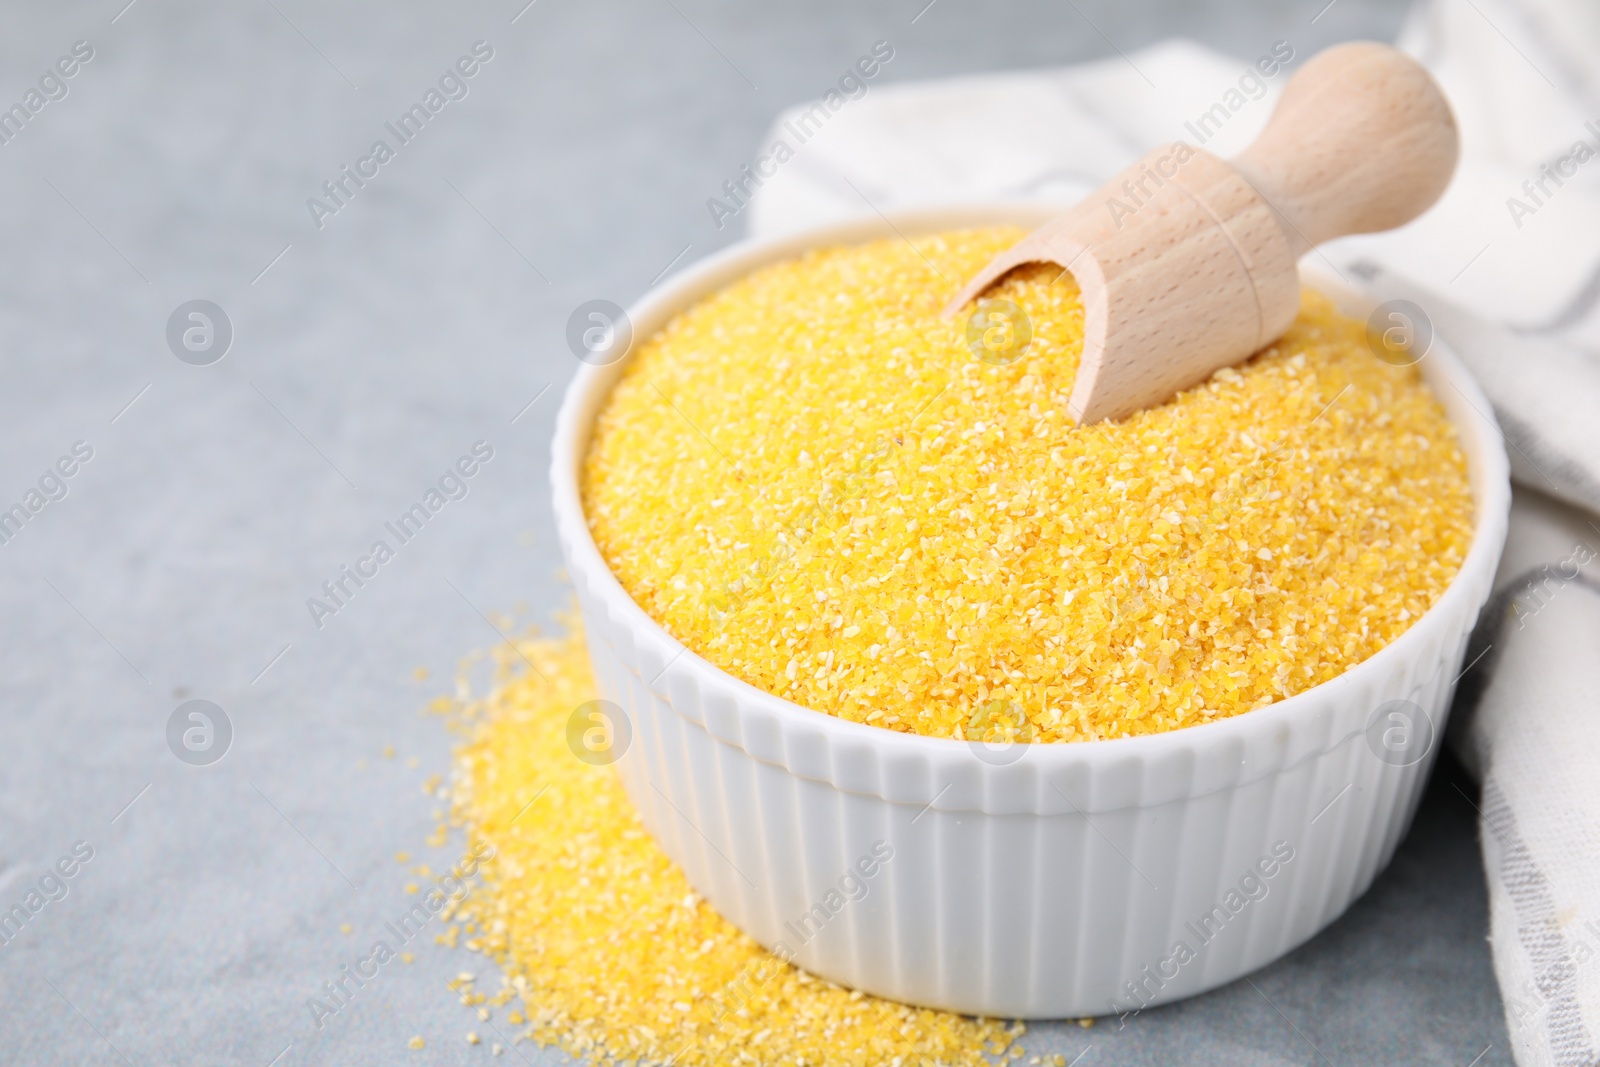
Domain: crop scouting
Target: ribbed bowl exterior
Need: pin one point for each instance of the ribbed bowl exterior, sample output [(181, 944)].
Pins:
[(1034, 881)]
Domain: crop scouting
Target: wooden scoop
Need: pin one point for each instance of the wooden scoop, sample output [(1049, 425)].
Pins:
[(1187, 262)]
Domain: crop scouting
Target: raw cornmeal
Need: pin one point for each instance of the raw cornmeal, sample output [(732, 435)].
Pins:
[(612, 955), (810, 480)]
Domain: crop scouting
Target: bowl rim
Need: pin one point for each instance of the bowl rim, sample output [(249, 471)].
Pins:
[(1470, 412)]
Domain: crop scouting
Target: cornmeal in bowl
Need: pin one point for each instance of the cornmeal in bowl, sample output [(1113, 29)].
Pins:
[(822, 487)]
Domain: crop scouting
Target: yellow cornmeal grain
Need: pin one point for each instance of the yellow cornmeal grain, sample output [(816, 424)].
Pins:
[(615, 958), (810, 480)]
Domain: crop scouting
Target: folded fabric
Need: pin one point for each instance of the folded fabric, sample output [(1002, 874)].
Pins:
[(1516, 239)]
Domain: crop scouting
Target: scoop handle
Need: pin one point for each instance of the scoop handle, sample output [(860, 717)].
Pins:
[(1361, 140)]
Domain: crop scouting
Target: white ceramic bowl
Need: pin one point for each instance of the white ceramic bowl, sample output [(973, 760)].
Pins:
[(1041, 880)]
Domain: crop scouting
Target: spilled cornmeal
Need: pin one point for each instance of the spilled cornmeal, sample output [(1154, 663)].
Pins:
[(612, 955)]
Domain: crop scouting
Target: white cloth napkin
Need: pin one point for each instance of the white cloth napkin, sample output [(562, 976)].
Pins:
[(1525, 83)]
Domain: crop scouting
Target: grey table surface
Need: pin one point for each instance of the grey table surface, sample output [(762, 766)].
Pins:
[(367, 355)]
